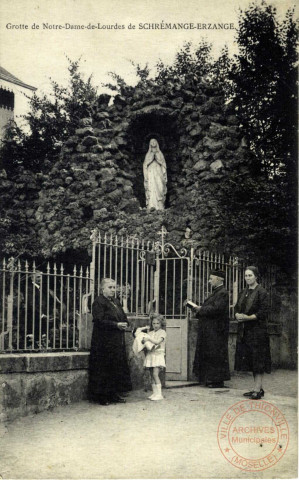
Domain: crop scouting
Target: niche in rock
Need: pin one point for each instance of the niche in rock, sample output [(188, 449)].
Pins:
[(162, 127)]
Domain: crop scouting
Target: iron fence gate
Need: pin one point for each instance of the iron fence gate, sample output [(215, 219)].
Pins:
[(47, 310), (148, 275), (156, 275)]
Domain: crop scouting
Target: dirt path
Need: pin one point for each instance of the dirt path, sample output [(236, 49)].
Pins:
[(174, 438)]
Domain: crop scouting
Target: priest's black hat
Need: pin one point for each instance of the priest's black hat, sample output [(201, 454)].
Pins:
[(218, 273)]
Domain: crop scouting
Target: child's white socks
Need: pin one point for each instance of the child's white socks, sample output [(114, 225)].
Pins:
[(154, 391), (158, 395)]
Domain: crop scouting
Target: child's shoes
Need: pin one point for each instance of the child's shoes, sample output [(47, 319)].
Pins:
[(158, 395), (154, 391)]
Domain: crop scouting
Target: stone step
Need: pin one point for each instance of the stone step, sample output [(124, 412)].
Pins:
[(179, 384)]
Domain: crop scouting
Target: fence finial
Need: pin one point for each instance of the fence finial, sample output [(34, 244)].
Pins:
[(94, 235)]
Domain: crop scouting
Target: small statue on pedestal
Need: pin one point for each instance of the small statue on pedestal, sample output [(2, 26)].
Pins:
[(155, 177)]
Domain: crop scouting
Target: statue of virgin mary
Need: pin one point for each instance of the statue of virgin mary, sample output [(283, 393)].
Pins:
[(155, 177)]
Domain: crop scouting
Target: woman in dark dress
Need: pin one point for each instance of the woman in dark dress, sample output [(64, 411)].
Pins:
[(253, 346), (109, 372)]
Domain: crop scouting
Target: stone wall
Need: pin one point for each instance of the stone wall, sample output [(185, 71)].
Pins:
[(18, 204), (32, 383), (98, 180)]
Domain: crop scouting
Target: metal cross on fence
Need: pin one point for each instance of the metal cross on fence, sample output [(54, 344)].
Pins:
[(163, 232)]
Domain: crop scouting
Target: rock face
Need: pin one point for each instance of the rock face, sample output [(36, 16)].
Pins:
[(98, 180), (19, 199)]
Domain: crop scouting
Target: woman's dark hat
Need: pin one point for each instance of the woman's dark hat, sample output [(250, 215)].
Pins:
[(218, 273)]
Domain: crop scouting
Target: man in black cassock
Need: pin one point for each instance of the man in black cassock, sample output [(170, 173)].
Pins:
[(211, 364), (109, 374)]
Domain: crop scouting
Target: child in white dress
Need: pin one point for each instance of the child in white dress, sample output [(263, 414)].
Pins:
[(155, 358)]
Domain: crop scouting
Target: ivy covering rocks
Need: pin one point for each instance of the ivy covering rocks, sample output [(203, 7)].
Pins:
[(222, 125), (98, 180)]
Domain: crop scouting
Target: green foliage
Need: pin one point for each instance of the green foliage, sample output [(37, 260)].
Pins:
[(264, 85), (258, 219), (119, 85), (189, 64), (50, 121), (222, 70), (141, 72), (17, 225), (28, 153), (256, 214)]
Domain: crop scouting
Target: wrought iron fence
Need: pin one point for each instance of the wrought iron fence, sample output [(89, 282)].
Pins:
[(157, 275), (46, 310), (41, 310)]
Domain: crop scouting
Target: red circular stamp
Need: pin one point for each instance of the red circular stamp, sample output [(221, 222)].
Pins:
[(253, 435)]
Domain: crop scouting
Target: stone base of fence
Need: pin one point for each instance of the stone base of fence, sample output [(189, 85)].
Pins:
[(33, 382)]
